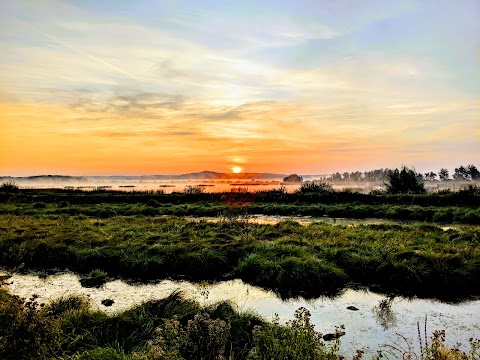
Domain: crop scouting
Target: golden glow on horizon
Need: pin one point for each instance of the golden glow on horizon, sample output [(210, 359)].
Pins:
[(54, 139)]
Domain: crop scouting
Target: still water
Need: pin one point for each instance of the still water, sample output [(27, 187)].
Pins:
[(377, 322)]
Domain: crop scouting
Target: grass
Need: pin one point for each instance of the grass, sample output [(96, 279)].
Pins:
[(95, 278), (174, 328), (288, 258), (104, 234), (312, 199), (448, 214)]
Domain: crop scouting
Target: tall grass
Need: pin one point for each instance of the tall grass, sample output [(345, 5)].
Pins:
[(175, 328), (287, 257)]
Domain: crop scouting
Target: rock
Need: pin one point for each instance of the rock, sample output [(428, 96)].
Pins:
[(353, 308), (107, 302), (331, 336), (4, 277), (90, 282)]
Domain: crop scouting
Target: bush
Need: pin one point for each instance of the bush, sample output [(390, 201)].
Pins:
[(293, 178), (201, 338), (9, 186), (297, 340), (24, 334), (405, 181), (193, 190), (95, 278), (315, 187)]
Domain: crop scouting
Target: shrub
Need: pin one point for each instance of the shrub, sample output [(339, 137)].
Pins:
[(316, 187), (296, 340), (405, 181), (293, 178), (9, 186), (206, 338), (24, 334), (95, 278), (201, 338), (193, 190)]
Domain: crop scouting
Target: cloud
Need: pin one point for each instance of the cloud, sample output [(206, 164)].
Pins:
[(301, 81)]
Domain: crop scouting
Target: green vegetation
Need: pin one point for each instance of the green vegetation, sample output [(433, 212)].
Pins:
[(288, 258), (95, 278), (104, 233), (293, 178), (9, 186), (404, 181), (171, 328), (313, 199), (469, 172)]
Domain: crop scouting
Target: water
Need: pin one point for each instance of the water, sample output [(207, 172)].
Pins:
[(169, 186), (376, 323), (306, 220)]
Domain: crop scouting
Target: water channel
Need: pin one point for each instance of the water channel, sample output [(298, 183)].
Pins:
[(377, 322)]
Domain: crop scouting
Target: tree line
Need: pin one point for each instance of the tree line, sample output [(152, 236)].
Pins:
[(469, 172)]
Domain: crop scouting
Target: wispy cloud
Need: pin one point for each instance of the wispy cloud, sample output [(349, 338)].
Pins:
[(277, 84)]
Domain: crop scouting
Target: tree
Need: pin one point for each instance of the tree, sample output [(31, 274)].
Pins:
[(405, 181), (429, 176), (336, 177), (461, 173), (474, 173), (346, 175), (443, 174), (356, 176), (293, 178)]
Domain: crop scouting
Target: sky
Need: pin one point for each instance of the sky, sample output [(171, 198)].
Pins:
[(92, 87)]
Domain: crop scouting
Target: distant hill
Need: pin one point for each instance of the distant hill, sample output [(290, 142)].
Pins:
[(203, 175), (52, 178)]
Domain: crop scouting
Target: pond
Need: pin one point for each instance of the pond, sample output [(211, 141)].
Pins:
[(305, 220), (378, 320)]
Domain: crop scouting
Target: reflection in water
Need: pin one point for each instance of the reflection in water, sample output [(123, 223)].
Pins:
[(306, 220), (384, 314), (364, 329)]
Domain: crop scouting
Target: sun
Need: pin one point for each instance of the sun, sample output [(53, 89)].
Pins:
[(237, 169)]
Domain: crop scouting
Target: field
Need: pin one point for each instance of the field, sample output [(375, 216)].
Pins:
[(145, 236)]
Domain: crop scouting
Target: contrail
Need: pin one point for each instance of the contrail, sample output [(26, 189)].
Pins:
[(79, 51), (206, 138)]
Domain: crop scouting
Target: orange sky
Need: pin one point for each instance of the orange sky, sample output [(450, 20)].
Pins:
[(89, 88), (41, 139)]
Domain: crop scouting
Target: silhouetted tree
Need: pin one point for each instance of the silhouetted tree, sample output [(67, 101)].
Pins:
[(293, 178), (473, 171), (405, 181), (336, 177), (443, 174), (461, 173), (429, 176)]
